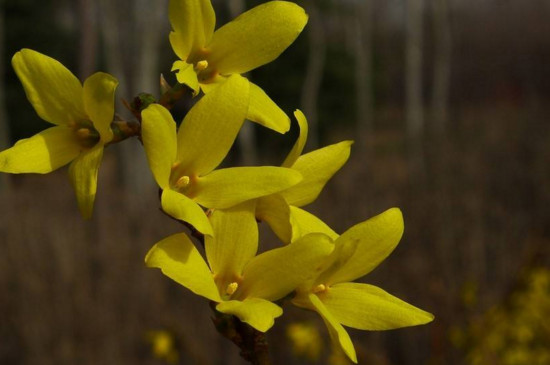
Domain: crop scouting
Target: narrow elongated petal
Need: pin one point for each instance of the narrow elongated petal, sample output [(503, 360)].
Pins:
[(304, 223), (99, 103), (186, 75), (83, 174), (225, 188), (274, 210), (317, 167), (367, 307), (235, 242), (337, 333), (264, 111), (181, 207), (193, 22), (256, 37), (362, 247), (42, 153), (258, 313), (211, 126), (54, 92), (300, 143), (158, 133), (177, 258), (275, 273)]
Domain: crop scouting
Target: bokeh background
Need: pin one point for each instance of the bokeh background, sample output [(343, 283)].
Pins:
[(447, 101)]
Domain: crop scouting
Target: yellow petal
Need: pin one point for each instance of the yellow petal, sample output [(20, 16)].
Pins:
[(338, 334), (362, 247), (181, 207), (317, 168), (258, 313), (304, 223), (367, 307), (158, 133), (42, 153), (193, 22), (178, 259), (225, 188), (300, 142), (274, 210), (54, 92), (186, 75), (83, 174), (264, 111), (235, 242), (256, 37), (99, 102), (275, 273), (211, 126)]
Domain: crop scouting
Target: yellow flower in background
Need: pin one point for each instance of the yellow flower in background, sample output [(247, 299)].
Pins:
[(251, 40), (305, 339), (183, 162), (82, 115), (282, 210), (341, 302), (163, 345), (243, 284)]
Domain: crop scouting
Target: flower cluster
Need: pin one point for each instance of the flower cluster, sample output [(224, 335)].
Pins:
[(314, 266)]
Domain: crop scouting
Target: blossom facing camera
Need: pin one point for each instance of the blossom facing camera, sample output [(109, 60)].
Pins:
[(341, 302), (82, 115), (254, 38)]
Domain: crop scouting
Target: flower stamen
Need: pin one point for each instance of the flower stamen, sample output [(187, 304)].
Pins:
[(182, 182), (232, 288), (319, 289)]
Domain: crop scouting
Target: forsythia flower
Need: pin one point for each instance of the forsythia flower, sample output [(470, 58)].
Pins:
[(253, 39), (340, 302), (281, 211), (82, 115), (182, 163), (241, 283)]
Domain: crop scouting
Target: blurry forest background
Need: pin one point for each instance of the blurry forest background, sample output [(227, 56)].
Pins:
[(448, 102)]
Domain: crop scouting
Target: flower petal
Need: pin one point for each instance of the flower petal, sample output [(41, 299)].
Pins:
[(275, 273), (235, 242), (54, 92), (304, 223), (83, 174), (225, 188), (256, 37), (42, 153), (258, 313), (99, 102), (178, 259), (193, 22), (317, 167), (274, 210), (300, 142), (363, 247), (367, 307), (337, 333), (181, 207), (186, 75), (158, 133), (264, 111), (211, 126)]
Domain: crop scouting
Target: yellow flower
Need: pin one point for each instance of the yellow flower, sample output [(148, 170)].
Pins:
[(183, 162), (281, 211), (341, 302), (253, 39), (82, 115), (243, 284)]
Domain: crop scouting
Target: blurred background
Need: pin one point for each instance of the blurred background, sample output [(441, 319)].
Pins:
[(447, 101)]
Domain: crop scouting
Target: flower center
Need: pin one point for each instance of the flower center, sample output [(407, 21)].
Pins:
[(319, 289), (182, 182), (86, 134), (232, 288), (201, 65)]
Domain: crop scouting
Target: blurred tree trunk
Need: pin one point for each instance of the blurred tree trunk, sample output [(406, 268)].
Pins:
[(314, 71), (442, 65), (87, 57), (413, 79), (363, 63), (4, 126), (246, 138)]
